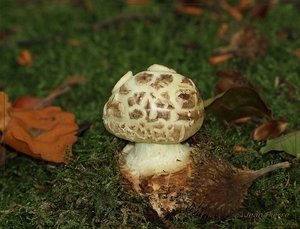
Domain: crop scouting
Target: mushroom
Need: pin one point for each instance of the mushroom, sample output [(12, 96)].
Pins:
[(156, 110)]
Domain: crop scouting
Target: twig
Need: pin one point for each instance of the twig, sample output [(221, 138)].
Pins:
[(57, 92), (31, 41), (100, 25)]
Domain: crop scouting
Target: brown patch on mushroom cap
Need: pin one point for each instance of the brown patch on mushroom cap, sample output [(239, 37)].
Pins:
[(136, 114), (143, 78), (137, 98), (186, 98), (163, 81), (124, 89), (114, 108)]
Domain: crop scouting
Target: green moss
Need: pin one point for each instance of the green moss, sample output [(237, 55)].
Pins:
[(88, 193)]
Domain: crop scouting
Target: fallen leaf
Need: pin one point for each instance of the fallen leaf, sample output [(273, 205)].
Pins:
[(230, 78), (26, 102), (231, 10), (41, 187), (75, 80), (244, 5), (74, 43), (137, 2), (218, 59), (4, 35), (235, 103), (46, 134), (25, 58), (240, 148), (5, 107), (222, 30), (269, 130), (2, 155), (297, 53), (192, 10), (260, 10), (240, 121), (289, 143)]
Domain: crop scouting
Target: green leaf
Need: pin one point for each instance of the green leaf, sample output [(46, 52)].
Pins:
[(290, 143), (235, 103)]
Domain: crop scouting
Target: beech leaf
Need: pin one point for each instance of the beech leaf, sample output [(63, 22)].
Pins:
[(235, 103), (269, 130), (289, 143)]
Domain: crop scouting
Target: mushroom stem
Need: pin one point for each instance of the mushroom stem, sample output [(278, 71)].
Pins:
[(145, 159)]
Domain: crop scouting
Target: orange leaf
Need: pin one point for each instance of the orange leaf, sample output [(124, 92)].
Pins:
[(47, 134), (75, 80), (222, 30), (220, 58), (5, 107), (193, 10), (240, 148), (231, 10), (297, 53), (137, 2), (244, 5), (26, 102), (269, 130), (230, 78), (25, 58)]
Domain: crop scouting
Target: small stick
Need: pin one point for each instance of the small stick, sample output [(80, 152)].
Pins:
[(100, 25), (31, 41), (57, 92)]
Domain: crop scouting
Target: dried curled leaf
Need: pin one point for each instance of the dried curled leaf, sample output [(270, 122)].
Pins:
[(289, 143), (235, 103), (46, 134), (230, 78), (25, 58), (269, 130)]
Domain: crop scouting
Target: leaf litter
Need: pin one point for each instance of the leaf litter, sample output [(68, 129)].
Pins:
[(34, 127)]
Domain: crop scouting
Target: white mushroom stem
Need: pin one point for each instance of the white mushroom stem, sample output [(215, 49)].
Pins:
[(147, 159)]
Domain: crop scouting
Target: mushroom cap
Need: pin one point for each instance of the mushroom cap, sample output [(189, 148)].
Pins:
[(154, 106)]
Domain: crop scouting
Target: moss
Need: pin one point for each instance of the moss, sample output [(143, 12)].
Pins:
[(88, 193)]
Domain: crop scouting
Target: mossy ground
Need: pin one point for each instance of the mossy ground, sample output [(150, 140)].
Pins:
[(87, 192)]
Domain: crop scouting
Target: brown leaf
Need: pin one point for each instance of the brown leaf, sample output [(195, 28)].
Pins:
[(237, 102), (244, 5), (230, 78), (231, 10), (75, 80), (192, 10), (218, 59), (2, 154), (5, 107), (269, 130), (222, 30), (25, 58), (240, 148), (26, 102), (46, 134), (260, 11), (297, 53), (137, 2)]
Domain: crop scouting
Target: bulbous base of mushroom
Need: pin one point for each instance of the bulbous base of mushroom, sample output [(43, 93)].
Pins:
[(161, 179)]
